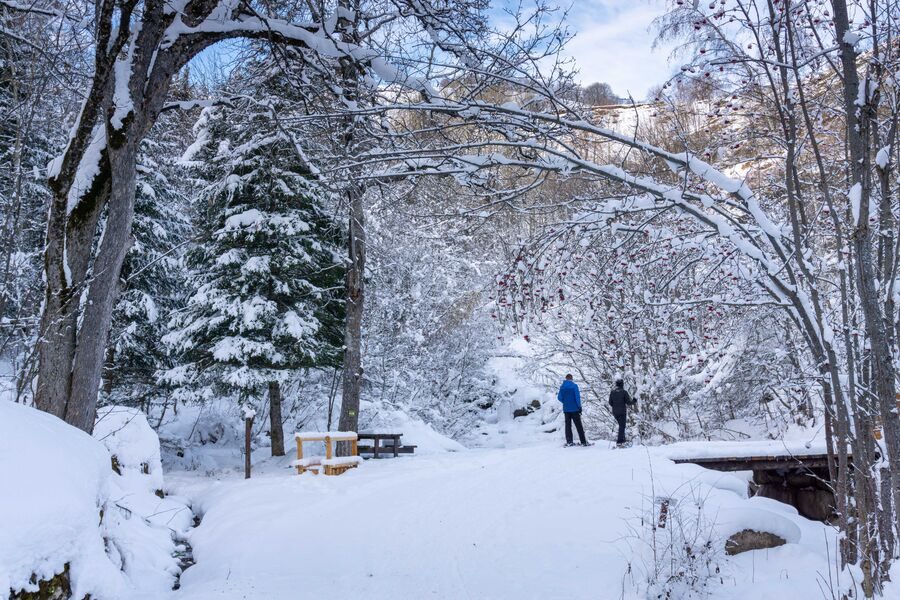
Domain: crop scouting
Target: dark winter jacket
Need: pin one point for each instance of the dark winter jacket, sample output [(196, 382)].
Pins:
[(618, 399), (570, 396)]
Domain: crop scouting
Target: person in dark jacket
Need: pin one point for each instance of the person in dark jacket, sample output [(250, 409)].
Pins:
[(618, 401), (570, 396)]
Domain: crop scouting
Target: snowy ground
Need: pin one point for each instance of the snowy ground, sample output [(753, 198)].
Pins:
[(524, 518), (532, 522)]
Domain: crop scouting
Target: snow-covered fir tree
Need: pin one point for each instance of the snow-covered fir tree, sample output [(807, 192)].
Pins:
[(268, 266)]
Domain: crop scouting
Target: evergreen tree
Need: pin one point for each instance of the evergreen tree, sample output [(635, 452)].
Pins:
[(269, 267)]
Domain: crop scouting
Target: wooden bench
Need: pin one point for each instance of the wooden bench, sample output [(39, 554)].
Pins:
[(379, 450), (330, 465)]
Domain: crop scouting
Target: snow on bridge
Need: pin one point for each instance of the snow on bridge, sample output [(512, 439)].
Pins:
[(761, 455)]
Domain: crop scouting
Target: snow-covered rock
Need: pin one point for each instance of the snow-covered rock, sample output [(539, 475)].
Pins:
[(63, 505), (133, 445), (144, 529), (56, 483)]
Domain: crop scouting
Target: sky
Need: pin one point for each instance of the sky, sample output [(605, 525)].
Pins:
[(614, 44)]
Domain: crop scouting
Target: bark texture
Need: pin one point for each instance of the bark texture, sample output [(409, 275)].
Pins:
[(276, 429)]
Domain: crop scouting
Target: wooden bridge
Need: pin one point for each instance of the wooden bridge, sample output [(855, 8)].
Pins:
[(795, 473)]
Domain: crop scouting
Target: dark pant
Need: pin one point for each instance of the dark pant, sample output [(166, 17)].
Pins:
[(620, 417), (576, 417)]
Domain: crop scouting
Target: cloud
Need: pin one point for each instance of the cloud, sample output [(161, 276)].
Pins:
[(614, 44)]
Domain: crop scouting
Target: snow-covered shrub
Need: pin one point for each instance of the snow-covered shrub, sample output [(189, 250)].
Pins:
[(680, 548), (64, 509)]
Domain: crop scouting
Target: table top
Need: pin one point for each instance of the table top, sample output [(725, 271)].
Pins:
[(320, 436)]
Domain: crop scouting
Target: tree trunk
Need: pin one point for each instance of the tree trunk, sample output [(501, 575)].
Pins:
[(276, 430), (356, 269), (858, 121), (248, 435), (352, 380), (66, 257), (93, 333)]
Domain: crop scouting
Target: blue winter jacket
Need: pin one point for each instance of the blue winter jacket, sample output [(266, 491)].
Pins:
[(569, 396)]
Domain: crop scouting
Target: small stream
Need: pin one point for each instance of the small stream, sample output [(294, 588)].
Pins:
[(185, 554)]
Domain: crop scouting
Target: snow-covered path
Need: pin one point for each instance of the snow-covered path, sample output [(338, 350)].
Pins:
[(538, 522)]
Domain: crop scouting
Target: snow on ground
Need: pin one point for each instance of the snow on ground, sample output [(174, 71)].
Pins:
[(55, 479), (62, 503), (529, 522), (524, 519)]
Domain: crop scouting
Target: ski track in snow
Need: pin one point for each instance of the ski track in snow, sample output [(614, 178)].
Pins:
[(536, 522)]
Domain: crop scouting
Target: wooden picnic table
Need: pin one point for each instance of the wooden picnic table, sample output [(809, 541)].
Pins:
[(377, 438)]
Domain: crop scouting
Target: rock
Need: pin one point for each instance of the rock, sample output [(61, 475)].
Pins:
[(748, 539), (520, 412), (55, 588), (815, 504), (535, 404)]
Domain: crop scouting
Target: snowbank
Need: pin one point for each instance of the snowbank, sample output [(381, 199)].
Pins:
[(144, 529), (132, 443), (56, 481), (64, 505), (206, 437)]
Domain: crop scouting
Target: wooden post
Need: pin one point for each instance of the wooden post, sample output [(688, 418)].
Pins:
[(328, 447), (396, 444), (354, 448), (375, 440), (248, 433), (299, 453)]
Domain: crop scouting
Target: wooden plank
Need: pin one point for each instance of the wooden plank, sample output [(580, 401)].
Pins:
[(299, 455), (400, 450)]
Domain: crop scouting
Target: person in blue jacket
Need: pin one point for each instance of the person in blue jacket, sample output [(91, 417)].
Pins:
[(570, 397)]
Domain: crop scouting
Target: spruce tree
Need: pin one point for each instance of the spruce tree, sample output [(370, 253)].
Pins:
[(268, 267)]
